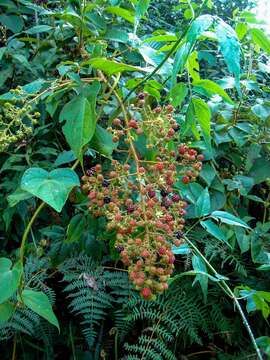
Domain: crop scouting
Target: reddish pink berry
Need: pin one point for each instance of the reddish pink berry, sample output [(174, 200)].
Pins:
[(146, 293)]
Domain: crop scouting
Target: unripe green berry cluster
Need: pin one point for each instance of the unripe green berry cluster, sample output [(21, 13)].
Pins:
[(16, 123)]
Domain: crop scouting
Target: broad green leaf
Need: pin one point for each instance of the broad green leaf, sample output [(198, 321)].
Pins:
[(201, 274), (110, 67), (230, 48), (38, 302), (141, 8), (241, 30), (193, 66), (242, 238), (178, 94), (52, 187), (214, 230), (39, 29), (102, 142), (75, 229), (212, 88), (80, 124), (161, 38), (18, 195), (2, 52), (228, 218), (123, 13), (261, 39), (183, 249), (9, 278), (6, 311), (208, 174), (202, 114), (64, 157), (117, 35), (12, 22), (202, 206), (199, 25), (153, 57), (260, 171)]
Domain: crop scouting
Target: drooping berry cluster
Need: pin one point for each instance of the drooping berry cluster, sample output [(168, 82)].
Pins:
[(140, 202)]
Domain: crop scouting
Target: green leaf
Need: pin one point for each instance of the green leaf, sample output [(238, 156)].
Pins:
[(228, 218), (199, 25), (6, 311), (12, 22), (9, 279), (183, 249), (110, 67), (80, 124), (230, 48), (39, 29), (18, 195), (202, 206), (260, 170), (123, 13), (202, 114), (102, 142), (241, 30), (64, 157), (201, 270), (193, 66), (52, 187), (178, 94), (214, 230), (39, 303), (2, 52), (75, 229), (212, 88), (141, 8), (261, 39)]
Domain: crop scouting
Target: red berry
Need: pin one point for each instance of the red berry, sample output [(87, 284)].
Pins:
[(133, 124), (162, 251), (175, 198), (185, 179), (182, 150), (192, 152), (171, 132), (159, 166), (92, 195), (151, 193), (146, 293), (145, 253), (169, 108)]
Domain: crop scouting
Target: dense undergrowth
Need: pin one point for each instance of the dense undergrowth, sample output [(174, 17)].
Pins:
[(135, 176)]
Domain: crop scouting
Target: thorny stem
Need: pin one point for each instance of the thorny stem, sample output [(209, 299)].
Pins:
[(230, 293)]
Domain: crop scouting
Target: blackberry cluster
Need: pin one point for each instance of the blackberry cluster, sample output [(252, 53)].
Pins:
[(141, 204)]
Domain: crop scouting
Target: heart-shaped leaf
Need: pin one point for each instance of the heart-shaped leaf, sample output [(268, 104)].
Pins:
[(52, 187), (9, 279), (39, 303)]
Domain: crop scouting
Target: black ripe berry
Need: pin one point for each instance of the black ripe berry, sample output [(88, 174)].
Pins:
[(119, 248), (179, 235), (163, 193), (105, 183), (107, 199)]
